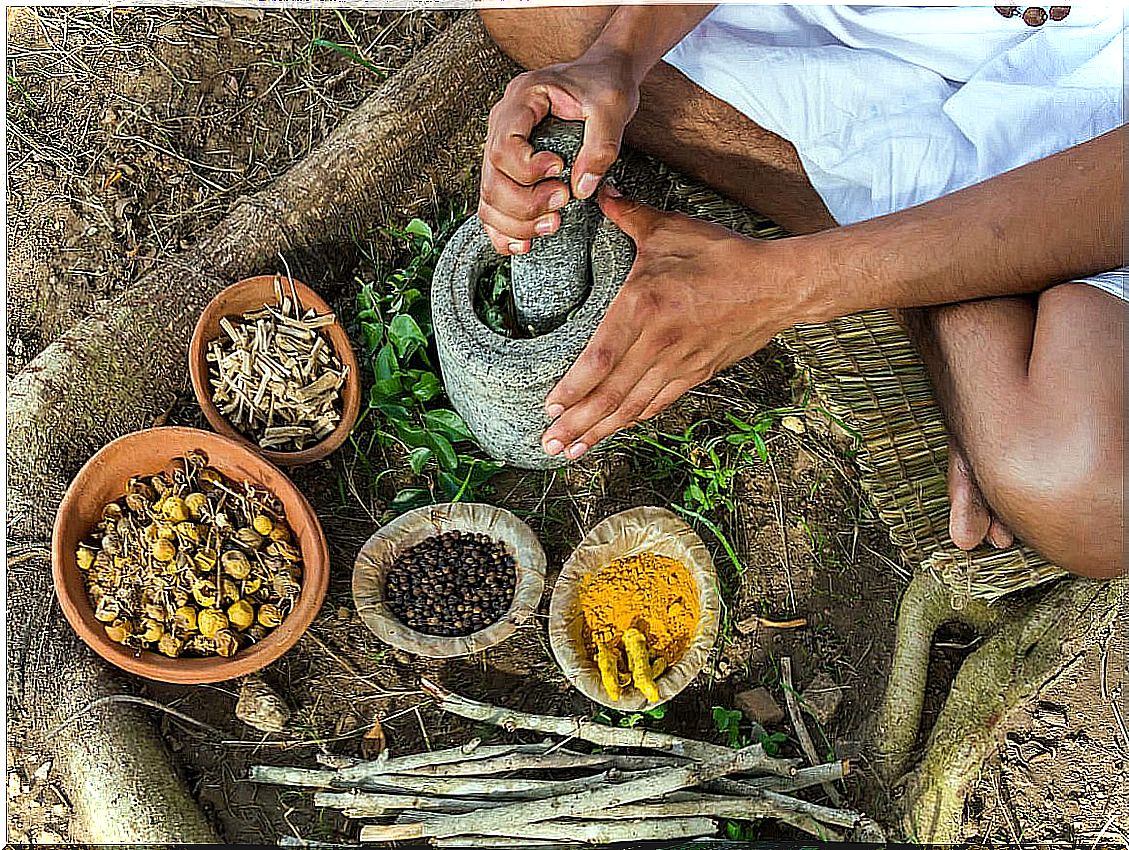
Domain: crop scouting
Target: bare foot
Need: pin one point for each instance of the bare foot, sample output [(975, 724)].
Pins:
[(970, 518)]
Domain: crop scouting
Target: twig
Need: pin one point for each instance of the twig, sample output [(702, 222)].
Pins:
[(454, 755), (585, 729), (148, 703), (806, 743), (597, 832), (582, 804), (804, 778)]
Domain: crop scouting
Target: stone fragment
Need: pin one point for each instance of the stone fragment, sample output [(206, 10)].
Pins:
[(260, 707), (821, 698), (759, 706)]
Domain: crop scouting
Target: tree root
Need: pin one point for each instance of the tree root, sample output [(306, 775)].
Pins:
[(118, 370), (1029, 640)]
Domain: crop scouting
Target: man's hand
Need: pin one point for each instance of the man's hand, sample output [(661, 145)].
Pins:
[(698, 298), (516, 202)]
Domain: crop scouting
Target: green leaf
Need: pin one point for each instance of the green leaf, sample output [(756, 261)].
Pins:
[(411, 434), (372, 334), (406, 336), (762, 449), (451, 485), (656, 713), (426, 385), (419, 458), (693, 494), (394, 412), (448, 423), (419, 227), (382, 391), (408, 498), (444, 451), (386, 367)]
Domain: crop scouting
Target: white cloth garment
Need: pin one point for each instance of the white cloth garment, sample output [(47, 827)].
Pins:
[(893, 106)]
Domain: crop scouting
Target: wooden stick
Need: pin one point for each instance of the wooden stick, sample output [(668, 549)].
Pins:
[(298, 776), (559, 760), (806, 743), (454, 755), (597, 832), (583, 729), (508, 819), (488, 842), (358, 804), (804, 778)]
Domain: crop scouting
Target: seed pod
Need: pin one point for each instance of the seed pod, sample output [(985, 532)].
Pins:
[(163, 551), (188, 531), (226, 644), (205, 593), (165, 531), (229, 590), (112, 544), (200, 645), (197, 504), (252, 585), (102, 560), (149, 535), (119, 631), (210, 621), (249, 538), (204, 560), (256, 633), (240, 614), (108, 610), (282, 549), (151, 630), (262, 524), (184, 620), (84, 556), (280, 532), (170, 646), (137, 503), (112, 512), (236, 564), (155, 611), (96, 593), (269, 615), (179, 597), (160, 484), (175, 509), (285, 586), (210, 476)]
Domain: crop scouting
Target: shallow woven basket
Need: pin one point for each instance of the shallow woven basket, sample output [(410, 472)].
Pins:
[(382, 549), (632, 532)]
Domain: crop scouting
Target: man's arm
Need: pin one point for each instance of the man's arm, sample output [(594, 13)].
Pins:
[(1055, 219), (699, 297)]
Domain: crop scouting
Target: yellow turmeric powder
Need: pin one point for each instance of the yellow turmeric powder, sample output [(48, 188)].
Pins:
[(653, 594)]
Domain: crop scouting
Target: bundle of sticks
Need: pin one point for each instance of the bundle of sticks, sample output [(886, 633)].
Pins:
[(640, 785)]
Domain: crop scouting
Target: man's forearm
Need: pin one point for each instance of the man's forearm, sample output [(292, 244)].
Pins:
[(640, 36), (1050, 221)]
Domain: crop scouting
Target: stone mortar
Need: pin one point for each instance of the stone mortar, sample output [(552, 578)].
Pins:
[(562, 289), (499, 385)]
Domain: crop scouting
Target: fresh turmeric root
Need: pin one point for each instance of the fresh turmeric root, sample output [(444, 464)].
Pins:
[(639, 662), (607, 660)]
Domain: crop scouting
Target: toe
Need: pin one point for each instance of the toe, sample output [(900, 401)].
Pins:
[(999, 535), (969, 519)]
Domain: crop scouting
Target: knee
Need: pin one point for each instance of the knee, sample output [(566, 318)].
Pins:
[(536, 37), (1063, 494)]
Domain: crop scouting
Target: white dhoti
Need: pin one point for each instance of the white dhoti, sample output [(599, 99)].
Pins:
[(892, 106)]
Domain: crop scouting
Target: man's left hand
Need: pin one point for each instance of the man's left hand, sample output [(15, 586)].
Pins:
[(698, 298)]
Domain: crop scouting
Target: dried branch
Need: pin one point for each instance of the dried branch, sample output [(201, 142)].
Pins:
[(585, 729), (508, 819), (597, 832), (806, 743)]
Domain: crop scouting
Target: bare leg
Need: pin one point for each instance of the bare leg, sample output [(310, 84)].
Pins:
[(678, 122), (1033, 394)]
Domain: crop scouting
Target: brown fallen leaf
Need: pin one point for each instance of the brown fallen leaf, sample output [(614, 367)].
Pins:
[(374, 742)]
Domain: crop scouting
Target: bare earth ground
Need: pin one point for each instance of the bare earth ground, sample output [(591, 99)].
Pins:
[(130, 132)]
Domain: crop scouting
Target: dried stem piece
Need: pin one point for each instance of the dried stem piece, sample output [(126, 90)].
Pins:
[(806, 743)]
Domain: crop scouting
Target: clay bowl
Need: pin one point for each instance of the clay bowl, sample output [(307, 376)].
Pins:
[(382, 549), (103, 479), (633, 532), (252, 294)]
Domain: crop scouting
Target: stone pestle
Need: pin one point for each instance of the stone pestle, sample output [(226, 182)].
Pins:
[(553, 277), (499, 384)]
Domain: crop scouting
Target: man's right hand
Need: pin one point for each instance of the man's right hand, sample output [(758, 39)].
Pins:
[(516, 201)]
